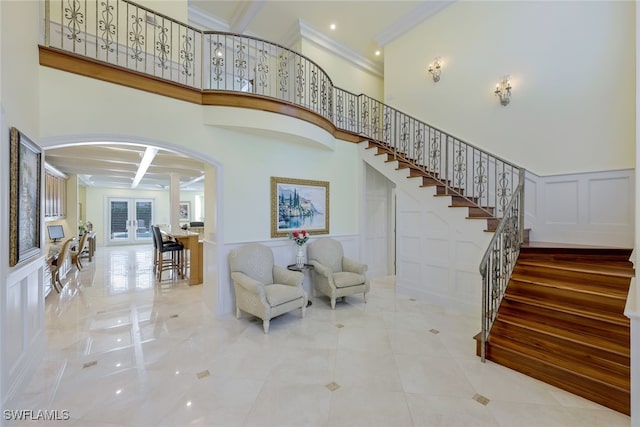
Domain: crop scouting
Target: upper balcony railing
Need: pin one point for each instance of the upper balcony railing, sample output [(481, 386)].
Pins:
[(127, 35)]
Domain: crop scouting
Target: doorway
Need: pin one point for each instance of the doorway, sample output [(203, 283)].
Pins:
[(128, 220)]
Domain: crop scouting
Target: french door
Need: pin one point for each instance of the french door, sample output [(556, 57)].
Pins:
[(129, 220)]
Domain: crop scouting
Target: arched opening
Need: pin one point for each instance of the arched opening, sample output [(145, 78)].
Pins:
[(208, 210)]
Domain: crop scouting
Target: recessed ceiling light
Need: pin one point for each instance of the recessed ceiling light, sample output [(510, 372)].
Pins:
[(378, 53), (332, 26)]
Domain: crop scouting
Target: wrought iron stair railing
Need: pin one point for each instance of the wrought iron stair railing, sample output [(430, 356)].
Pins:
[(124, 34)]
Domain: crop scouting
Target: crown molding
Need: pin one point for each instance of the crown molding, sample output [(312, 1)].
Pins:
[(244, 15), (315, 36), (200, 18), (421, 13)]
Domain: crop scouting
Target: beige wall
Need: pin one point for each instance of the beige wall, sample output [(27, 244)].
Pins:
[(344, 74), (572, 68), (22, 339), (248, 158)]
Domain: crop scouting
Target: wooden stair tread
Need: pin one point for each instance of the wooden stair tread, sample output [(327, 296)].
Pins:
[(616, 398), (581, 267), (559, 361), (584, 287), (601, 358), (578, 311), (570, 335), (618, 332)]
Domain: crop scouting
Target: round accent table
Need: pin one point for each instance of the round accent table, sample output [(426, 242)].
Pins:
[(305, 268)]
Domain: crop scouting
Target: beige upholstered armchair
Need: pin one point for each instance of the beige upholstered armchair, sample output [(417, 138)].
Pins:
[(334, 274), (263, 289)]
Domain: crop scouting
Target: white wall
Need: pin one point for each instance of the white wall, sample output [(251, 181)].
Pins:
[(572, 69), (438, 250), (595, 208), (378, 213), (22, 338)]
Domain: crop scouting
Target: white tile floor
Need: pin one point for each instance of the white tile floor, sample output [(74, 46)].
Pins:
[(125, 351)]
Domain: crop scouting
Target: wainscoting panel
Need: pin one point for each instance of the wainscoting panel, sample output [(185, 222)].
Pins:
[(591, 208), (438, 250), (23, 318)]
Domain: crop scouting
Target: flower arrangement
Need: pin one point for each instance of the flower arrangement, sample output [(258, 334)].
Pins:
[(300, 237)]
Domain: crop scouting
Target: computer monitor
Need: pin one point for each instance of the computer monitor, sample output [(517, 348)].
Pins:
[(56, 232)]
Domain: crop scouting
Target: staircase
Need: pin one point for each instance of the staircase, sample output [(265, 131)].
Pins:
[(444, 188), (561, 321)]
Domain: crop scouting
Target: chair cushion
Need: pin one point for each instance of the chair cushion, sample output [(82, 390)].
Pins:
[(344, 279), (280, 294)]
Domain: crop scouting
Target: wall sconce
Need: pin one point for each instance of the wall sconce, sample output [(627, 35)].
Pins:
[(503, 90), (435, 68)]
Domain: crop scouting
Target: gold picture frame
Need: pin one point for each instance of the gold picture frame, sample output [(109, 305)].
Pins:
[(25, 164), (299, 204)]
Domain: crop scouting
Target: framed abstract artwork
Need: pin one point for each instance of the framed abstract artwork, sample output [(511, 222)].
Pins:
[(185, 211), (298, 204), (25, 164)]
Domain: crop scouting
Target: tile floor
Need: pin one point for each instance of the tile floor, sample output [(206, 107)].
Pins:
[(125, 351)]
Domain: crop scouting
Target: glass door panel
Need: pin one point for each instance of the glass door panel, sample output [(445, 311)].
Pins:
[(129, 220)]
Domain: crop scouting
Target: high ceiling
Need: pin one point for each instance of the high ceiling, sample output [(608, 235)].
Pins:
[(362, 27)]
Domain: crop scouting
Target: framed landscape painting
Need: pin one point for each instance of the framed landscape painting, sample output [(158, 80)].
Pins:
[(299, 204), (25, 162)]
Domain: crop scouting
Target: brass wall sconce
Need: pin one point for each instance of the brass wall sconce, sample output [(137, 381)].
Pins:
[(503, 90), (435, 68)]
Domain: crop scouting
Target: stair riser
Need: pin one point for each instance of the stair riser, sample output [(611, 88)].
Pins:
[(581, 353), (568, 297), (611, 397), (615, 332)]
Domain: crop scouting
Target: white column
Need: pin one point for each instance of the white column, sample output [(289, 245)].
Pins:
[(174, 202)]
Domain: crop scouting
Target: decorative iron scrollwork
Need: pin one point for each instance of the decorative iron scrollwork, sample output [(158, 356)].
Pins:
[(240, 62), (163, 47), (339, 108), (503, 190), (459, 167), (386, 125), (283, 74), (404, 137), (352, 113), (300, 80), (75, 18), (434, 153), (324, 96), (262, 68), (375, 122), (418, 145), (364, 117), (480, 178), (107, 27), (186, 55), (217, 61), (314, 86), (136, 38)]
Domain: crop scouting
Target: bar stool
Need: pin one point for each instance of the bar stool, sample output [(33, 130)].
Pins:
[(175, 263)]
